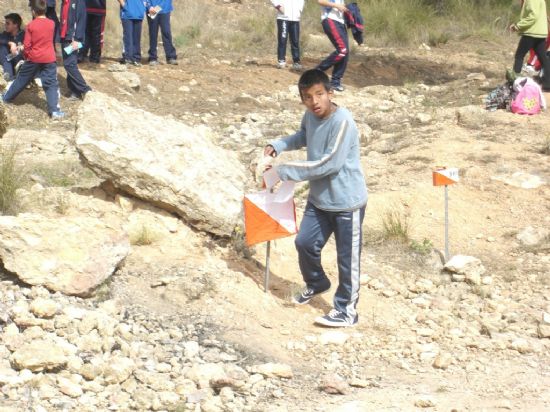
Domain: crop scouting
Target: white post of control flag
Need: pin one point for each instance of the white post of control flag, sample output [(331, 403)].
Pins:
[(443, 176), (266, 276), (447, 256)]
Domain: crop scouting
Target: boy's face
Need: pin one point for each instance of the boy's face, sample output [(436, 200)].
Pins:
[(317, 100), (10, 26)]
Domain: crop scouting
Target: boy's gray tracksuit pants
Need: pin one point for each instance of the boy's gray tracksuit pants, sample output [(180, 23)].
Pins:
[(316, 227)]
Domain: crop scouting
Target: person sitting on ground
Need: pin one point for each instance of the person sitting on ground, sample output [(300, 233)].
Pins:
[(533, 28), (159, 16), (131, 16), (96, 11), (288, 25), (39, 53), (72, 33), (337, 196), (11, 42)]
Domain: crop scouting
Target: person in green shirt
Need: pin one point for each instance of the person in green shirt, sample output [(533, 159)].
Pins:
[(533, 29)]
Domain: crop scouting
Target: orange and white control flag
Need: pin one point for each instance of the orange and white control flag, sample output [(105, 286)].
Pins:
[(270, 215), (445, 176)]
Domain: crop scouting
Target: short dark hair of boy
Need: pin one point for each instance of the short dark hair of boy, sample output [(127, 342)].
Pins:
[(15, 19), (39, 7), (312, 77)]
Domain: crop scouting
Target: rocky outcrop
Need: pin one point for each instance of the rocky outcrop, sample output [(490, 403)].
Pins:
[(70, 255), (162, 161)]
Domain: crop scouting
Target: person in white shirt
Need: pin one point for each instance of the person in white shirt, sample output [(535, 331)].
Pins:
[(288, 25), (334, 27)]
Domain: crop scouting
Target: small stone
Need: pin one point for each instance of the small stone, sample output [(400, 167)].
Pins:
[(191, 349), (359, 383), (116, 67), (38, 356), (421, 302), (531, 236), (152, 89), (271, 370), (334, 338), (118, 370), (468, 266), (334, 385), (521, 345), (543, 330), (424, 401), (227, 395), (43, 308), (69, 388), (423, 118), (425, 332), (442, 361)]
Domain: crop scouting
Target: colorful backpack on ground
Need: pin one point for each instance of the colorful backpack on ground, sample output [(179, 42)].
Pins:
[(528, 98), (499, 98)]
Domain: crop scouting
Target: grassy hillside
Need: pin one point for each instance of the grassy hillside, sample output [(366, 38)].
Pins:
[(249, 26)]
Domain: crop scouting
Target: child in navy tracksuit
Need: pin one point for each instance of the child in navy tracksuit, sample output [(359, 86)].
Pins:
[(131, 15), (334, 27), (337, 196), (96, 11), (72, 31), (162, 20), (10, 41), (39, 60), (288, 25)]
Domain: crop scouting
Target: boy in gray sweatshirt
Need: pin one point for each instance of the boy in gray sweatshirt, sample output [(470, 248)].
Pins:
[(337, 196)]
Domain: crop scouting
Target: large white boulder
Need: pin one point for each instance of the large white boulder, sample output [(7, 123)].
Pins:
[(162, 161), (72, 255)]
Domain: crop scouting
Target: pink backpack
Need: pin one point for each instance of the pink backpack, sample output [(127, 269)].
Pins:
[(528, 97)]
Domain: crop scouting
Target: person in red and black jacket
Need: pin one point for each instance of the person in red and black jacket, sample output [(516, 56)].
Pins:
[(73, 33), (95, 27)]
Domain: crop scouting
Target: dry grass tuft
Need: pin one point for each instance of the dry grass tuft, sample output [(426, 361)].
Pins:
[(396, 224), (12, 178)]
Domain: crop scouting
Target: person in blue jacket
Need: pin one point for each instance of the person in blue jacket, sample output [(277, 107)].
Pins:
[(11, 41), (72, 31), (160, 18), (131, 16), (96, 11), (337, 196)]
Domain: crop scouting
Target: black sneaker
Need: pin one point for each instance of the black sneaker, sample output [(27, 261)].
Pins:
[(306, 295), (338, 88), (336, 319)]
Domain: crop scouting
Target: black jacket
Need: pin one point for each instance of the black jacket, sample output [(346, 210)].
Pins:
[(354, 20), (73, 20), (5, 38), (96, 6)]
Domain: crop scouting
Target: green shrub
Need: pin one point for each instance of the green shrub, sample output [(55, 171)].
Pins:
[(422, 248)]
